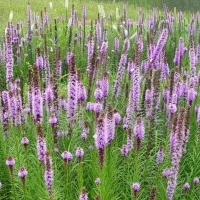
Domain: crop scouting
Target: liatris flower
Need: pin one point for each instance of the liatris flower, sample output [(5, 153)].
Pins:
[(191, 95), (186, 187), (160, 156), (98, 94), (79, 154), (120, 73), (136, 87), (81, 93), (98, 107), (105, 84), (116, 44), (98, 32), (161, 42), (124, 150), (177, 57), (117, 117), (85, 131), (100, 137), (166, 172), (22, 174), (172, 107), (39, 59), (176, 153), (9, 59), (48, 175), (136, 188), (97, 181), (110, 124), (166, 94), (196, 181), (139, 131), (25, 142), (36, 97), (83, 195), (46, 61), (72, 91), (152, 195), (12, 106), (29, 35), (10, 162), (148, 102), (67, 156), (103, 51), (90, 48), (53, 120), (41, 144), (192, 61), (129, 140)]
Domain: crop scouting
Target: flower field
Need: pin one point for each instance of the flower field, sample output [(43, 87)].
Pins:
[(99, 101)]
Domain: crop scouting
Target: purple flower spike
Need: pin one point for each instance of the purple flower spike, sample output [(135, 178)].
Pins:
[(166, 172), (196, 181), (25, 141), (67, 156), (79, 154), (83, 195), (124, 150), (160, 156), (10, 162), (186, 187), (161, 42), (22, 174), (48, 175), (139, 131), (117, 117), (98, 94), (53, 119), (136, 188), (97, 181)]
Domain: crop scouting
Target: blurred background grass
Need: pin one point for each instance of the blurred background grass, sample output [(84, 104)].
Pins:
[(19, 6)]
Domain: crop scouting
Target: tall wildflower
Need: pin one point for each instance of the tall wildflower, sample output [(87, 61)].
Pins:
[(46, 61), (5, 111), (9, 59), (98, 32), (41, 144), (121, 68), (83, 195), (90, 50), (48, 174), (100, 138), (110, 124), (29, 36), (36, 97), (39, 59), (139, 132), (176, 154), (160, 44), (72, 91)]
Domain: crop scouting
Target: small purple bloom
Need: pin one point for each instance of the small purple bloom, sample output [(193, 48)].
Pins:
[(97, 181), (67, 156), (160, 156), (79, 153), (22, 172), (136, 188), (186, 187), (196, 181), (166, 172), (25, 141)]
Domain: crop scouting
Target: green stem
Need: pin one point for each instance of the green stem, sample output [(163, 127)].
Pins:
[(13, 186)]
